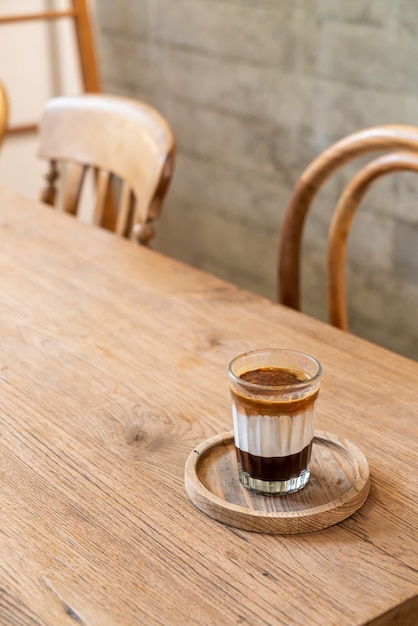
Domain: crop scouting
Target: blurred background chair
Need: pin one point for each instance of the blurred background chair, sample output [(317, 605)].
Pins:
[(401, 146), (4, 111), (127, 145)]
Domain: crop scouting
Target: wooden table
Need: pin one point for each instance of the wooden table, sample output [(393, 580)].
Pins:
[(113, 368)]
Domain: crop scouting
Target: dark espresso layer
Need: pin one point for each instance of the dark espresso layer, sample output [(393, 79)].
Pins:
[(274, 468)]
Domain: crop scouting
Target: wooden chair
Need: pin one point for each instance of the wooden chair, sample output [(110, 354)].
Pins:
[(4, 111), (401, 146), (127, 144)]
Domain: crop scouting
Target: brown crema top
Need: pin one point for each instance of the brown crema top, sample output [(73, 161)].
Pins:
[(273, 376), (272, 404)]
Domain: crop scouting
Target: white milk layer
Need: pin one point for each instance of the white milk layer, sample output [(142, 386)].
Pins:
[(271, 435)]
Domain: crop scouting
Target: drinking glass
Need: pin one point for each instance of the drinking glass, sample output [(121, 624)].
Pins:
[(274, 394)]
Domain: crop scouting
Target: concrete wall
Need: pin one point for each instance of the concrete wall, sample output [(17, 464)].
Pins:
[(254, 90)]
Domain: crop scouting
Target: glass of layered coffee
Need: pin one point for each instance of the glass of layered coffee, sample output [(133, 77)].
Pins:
[(274, 394)]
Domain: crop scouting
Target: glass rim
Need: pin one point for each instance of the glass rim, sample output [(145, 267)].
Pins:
[(274, 388)]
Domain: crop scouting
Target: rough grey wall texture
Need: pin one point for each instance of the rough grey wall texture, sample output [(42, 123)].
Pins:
[(254, 90)]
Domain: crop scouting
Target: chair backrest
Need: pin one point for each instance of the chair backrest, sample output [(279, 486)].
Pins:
[(130, 148), (4, 111), (401, 145)]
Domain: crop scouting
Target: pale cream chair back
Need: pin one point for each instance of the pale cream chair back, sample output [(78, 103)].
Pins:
[(390, 139), (126, 143), (4, 112)]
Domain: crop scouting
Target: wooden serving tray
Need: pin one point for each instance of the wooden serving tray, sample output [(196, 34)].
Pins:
[(338, 486)]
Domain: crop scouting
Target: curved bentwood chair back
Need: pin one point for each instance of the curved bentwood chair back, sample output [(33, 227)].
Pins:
[(4, 111), (401, 146)]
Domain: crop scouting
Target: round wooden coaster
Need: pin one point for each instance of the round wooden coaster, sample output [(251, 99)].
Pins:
[(338, 486)]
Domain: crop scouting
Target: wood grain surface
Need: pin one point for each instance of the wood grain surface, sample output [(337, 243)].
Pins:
[(113, 368), (338, 486)]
